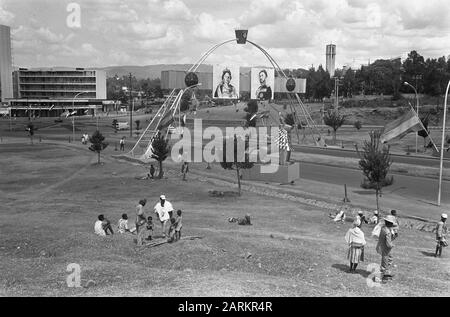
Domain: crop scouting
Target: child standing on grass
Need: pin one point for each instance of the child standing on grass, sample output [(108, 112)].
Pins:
[(140, 221), (172, 230), (178, 225)]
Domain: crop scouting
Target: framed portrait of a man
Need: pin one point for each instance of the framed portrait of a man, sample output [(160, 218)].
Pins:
[(262, 83), (225, 82)]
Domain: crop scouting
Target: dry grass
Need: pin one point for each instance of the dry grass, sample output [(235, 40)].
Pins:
[(50, 197)]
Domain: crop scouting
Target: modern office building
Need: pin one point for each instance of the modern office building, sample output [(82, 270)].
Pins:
[(331, 59), (6, 85), (57, 89)]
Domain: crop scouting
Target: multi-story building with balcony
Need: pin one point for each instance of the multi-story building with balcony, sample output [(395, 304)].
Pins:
[(55, 90)]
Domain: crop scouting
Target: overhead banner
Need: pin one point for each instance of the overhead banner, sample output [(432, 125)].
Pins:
[(262, 83), (225, 82)]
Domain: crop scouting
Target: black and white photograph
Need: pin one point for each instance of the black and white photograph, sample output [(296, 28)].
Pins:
[(224, 155), (226, 82)]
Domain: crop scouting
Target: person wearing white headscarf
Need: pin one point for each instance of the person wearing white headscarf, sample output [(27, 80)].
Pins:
[(356, 242), (441, 231)]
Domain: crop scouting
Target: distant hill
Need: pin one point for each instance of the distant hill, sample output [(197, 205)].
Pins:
[(149, 71), (154, 71)]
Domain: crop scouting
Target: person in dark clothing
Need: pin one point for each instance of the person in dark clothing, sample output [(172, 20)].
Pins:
[(152, 171)]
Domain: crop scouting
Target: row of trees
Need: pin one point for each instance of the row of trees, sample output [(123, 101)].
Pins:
[(430, 76), (149, 88), (375, 159)]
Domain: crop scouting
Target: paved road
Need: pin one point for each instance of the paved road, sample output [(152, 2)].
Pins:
[(415, 160), (424, 189)]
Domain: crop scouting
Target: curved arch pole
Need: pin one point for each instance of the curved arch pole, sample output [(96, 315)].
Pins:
[(275, 65), (270, 58), (280, 70), (194, 67)]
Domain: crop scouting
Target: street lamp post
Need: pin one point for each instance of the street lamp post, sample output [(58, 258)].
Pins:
[(417, 103), (73, 116), (442, 145), (131, 108)]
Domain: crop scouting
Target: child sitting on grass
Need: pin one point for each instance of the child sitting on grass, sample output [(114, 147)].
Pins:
[(149, 228), (107, 226), (102, 225), (123, 225), (178, 225)]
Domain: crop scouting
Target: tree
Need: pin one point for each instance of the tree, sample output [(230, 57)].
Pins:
[(97, 143), (349, 83), (375, 162), (334, 120), (160, 151), (414, 65), (30, 128), (185, 102), (236, 163)]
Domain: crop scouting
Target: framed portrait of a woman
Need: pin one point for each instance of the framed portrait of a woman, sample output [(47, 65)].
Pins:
[(225, 82)]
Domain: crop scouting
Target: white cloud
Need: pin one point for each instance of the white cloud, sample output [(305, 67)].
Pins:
[(6, 17), (176, 10), (211, 29), (295, 32)]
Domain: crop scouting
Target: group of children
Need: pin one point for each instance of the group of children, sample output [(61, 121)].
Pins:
[(143, 228)]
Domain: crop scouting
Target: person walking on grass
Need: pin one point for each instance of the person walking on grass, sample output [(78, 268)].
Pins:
[(152, 171), (385, 246), (356, 242), (441, 231), (164, 211)]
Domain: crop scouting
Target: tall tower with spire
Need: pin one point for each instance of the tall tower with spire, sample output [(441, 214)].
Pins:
[(331, 58)]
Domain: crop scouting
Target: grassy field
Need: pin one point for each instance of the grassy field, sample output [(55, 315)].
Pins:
[(50, 196)]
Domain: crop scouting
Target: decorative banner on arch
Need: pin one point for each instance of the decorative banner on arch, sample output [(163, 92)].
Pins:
[(300, 85), (225, 82), (262, 83)]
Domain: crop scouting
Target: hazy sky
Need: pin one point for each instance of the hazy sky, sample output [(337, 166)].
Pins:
[(143, 32)]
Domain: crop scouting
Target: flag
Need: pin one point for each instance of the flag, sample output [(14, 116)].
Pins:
[(400, 127), (282, 141)]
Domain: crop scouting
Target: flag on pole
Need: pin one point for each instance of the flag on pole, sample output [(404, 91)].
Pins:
[(400, 127)]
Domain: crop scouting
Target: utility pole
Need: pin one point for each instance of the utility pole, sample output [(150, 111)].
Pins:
[(131, 109)]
